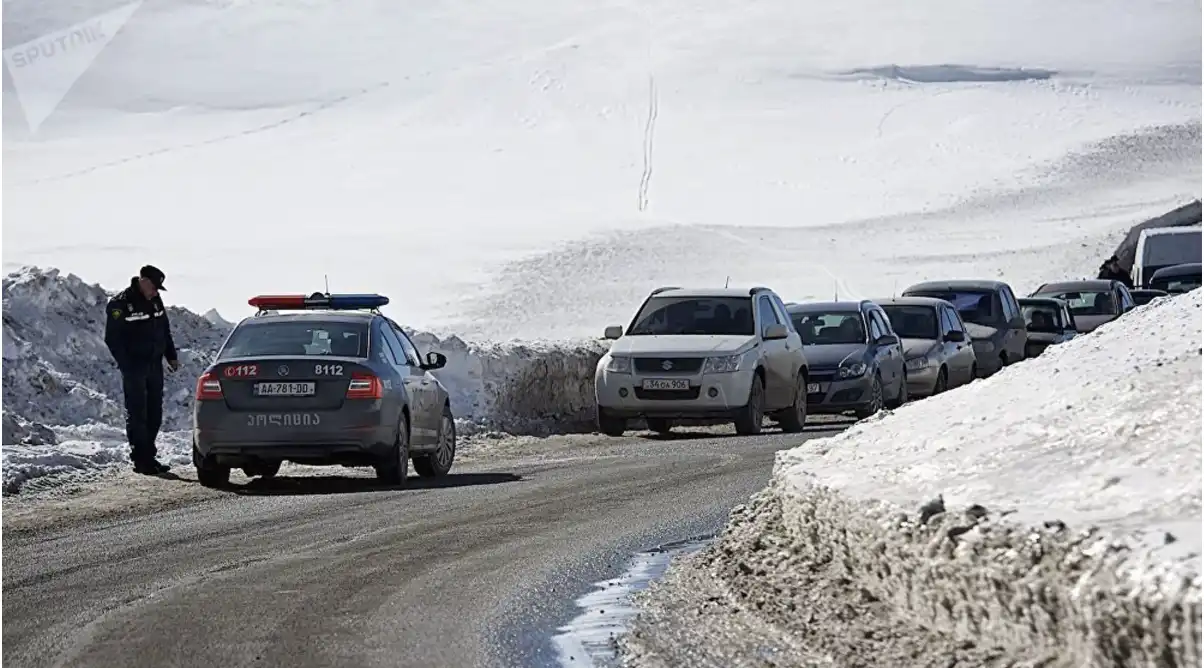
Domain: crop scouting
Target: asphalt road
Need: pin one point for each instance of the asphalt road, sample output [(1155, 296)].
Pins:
[(332, 570)]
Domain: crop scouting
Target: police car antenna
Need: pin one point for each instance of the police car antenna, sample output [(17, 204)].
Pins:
[(726, 281), (326, 278), (835, 290)]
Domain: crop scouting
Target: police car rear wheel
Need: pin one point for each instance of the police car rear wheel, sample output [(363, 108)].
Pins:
[(396, 465), (208, 472), (439, 462), (262, 469)]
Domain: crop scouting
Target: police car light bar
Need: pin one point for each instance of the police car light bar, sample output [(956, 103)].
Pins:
[(318, 301)]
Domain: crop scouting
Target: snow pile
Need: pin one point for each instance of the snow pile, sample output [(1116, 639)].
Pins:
[(1049, 513), (63, 410)]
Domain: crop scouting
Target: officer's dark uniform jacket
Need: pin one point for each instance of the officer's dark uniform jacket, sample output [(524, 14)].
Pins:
[(137, 331)]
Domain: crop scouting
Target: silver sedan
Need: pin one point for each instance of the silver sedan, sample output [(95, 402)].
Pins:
[(936, 346)]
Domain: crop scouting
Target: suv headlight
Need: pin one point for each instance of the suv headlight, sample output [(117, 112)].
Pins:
[(917, 363), (852, 370), (725, 364), (618, 365)]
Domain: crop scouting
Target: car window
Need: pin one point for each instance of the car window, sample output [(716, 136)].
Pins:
[(1010, 306), (949, 321), (407, 346), (663, 315), (1164, 250), (981, 307), (297, 338), (829, 327), (1087, 302), (780, 309), (956, 318), (875, 330), (881, 322), (913, 322), (1041, 317), (394, 346), (766, 312)]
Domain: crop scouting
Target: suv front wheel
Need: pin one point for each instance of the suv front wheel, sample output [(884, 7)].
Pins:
[(750, 418), (609, 424)]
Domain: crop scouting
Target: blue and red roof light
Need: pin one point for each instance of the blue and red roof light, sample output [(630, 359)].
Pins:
[(339, 302)]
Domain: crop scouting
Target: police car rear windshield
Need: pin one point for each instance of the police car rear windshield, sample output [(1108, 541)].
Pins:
[(298, 339)]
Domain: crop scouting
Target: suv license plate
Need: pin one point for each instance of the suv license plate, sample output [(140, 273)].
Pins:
[(812, 388), (666, 384), (284, 389)]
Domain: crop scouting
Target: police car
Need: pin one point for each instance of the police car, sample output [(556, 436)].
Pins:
[(321, 380)]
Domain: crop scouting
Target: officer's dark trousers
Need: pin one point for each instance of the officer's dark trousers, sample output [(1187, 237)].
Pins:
[(143, 387)]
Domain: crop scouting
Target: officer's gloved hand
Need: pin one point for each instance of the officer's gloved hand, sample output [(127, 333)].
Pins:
[(174, 365)]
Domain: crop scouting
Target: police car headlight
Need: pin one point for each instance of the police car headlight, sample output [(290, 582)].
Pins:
[(618, 365)]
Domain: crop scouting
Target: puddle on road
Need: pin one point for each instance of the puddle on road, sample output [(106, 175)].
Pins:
[(588, 640)]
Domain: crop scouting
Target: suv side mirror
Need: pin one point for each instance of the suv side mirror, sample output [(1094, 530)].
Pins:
[(613, 332), (955, 336), (434, 361), (775, 331)]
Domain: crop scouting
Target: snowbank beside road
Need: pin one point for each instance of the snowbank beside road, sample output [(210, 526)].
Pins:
[(1049, 512), (62, 395)]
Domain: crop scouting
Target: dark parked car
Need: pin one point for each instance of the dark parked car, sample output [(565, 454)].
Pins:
[(1049, 322), (330, 381), (992, 318), (854, 357), (1143, 296), (1177, 279), (1092, 302)]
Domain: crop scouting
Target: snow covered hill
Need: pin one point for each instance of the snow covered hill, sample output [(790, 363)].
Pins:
[(1051, 512), (529, 170), (63, 410)]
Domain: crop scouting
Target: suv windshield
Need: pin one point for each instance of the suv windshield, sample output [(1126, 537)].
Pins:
[(1087, 302), (913, 322), (298, 338), (980, 307), (694, 315), (828, 328)]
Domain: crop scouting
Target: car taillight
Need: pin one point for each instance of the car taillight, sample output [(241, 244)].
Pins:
[(208, 387), (364, 386)]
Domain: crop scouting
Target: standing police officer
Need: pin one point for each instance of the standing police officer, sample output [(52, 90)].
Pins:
[(139, 337)]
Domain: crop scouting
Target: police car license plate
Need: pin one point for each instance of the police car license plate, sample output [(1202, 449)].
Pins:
[(284, 389), (666, 384)]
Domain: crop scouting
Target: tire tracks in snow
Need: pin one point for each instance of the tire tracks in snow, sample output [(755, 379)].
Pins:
[(649, 138), (301, 115)]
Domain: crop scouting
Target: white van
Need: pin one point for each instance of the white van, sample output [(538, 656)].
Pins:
[(1159, 247)]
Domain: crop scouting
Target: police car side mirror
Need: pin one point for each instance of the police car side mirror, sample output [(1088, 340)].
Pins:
[(613, 332), (434, 361)]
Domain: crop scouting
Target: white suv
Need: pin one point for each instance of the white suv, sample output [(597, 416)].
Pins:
[(719, 354)]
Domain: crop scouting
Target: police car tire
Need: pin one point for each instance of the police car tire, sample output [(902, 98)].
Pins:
[(395, 468), (262, 469), (208, 472), (427, 466)]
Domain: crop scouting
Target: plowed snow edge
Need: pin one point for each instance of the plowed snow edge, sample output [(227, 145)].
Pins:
[(805, 576)]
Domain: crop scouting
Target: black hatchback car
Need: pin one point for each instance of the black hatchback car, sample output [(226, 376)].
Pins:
[(321, 380)]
